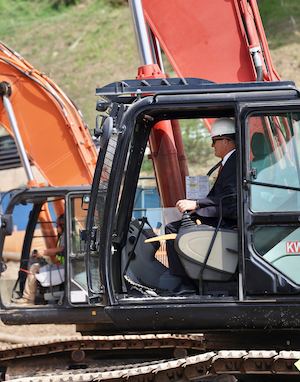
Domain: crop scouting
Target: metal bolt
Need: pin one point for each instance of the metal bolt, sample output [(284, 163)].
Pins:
[(77, 356)]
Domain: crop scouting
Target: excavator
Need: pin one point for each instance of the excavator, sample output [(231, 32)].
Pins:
[(240, 321), (51, 135), (42, 119)]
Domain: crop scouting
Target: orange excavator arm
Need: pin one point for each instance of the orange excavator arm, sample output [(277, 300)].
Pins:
[(216, 40), (219, 40), (53, 132)]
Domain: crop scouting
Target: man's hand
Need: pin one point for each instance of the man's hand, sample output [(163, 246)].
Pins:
[(186, 205)]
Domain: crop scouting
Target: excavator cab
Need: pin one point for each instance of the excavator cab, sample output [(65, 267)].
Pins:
[(60, 278), (230, 270), (28, 233)]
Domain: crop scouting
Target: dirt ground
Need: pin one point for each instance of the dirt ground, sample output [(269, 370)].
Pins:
[(32, 333), (286, 61), (11, 334)]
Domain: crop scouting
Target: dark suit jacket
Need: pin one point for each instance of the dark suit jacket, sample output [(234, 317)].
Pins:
[(225, 184)]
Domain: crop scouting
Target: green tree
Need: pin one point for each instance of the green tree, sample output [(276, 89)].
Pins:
[(197, 142)]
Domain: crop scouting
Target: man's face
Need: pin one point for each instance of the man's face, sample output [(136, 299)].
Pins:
[(222, 146)]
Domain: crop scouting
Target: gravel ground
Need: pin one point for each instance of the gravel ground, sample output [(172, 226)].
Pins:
[(31, 333)]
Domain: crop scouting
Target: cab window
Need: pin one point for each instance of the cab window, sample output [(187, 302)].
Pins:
[(274, 162), (273, 165)]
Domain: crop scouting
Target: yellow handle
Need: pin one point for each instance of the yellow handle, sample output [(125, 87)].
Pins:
[(169, 236)]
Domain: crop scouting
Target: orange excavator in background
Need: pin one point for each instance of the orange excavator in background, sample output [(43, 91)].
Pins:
[(48, 130), (244, 285), (45, 124)]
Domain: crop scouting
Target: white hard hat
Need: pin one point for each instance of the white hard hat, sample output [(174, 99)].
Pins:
[(223, 126)]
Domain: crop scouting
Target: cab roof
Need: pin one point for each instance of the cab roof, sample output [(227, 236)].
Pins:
[(128, 91)]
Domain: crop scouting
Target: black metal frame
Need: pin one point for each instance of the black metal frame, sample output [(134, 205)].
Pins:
[(275, 283), (155, 106)]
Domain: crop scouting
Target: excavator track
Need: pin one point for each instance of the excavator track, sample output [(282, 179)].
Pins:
[(142, 358)]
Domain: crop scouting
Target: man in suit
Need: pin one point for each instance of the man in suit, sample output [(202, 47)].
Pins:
[(207, 210)]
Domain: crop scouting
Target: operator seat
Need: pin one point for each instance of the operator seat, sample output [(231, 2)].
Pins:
[(51, 277), (193, 246)]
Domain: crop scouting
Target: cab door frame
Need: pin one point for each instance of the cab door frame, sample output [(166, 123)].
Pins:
[(70, 241), (253, 266)]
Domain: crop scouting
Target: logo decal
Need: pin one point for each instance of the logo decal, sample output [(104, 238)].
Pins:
[(293, 247)]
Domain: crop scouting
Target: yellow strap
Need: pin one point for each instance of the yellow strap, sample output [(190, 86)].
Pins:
[(169, 236)]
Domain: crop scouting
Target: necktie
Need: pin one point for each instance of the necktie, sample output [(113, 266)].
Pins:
[(220, 169), (218, 165)]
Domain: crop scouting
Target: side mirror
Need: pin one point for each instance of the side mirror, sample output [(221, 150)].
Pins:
[(93, 241), (6, 224), (85, 200), (105, 131)]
